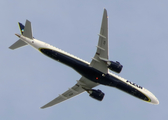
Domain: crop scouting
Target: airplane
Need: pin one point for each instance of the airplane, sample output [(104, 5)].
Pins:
[(92, 74)]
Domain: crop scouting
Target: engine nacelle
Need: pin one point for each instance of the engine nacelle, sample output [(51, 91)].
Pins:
[(96, 94), (115, 66)]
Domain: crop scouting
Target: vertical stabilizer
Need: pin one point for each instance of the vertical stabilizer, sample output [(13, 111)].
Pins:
[(21, 26)]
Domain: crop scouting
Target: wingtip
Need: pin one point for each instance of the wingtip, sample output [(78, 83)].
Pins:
[(44, 106), (105, 9)]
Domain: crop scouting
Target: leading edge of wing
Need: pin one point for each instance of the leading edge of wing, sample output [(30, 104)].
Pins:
[(75, 90)]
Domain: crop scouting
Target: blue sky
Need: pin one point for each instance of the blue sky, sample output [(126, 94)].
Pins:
[(138, 38)]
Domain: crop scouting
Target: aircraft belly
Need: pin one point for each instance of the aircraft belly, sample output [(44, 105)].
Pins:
[(79, 66), (94, 74), (132, 91), (58, 57)]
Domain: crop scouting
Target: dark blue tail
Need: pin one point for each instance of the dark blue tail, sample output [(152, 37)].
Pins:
[(21, 26)]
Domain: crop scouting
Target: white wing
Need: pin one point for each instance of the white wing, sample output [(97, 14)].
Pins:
[(102, 48), (78, 88)]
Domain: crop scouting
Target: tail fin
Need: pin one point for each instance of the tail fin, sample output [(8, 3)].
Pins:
[(26, 31), (21, 26)]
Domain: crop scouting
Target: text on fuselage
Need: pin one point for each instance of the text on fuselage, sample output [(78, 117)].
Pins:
[(134, 84)]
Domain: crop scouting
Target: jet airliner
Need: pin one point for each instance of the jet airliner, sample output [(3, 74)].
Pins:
[(92, 74)]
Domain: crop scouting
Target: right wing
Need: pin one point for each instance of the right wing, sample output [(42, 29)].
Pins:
[(78, 88)]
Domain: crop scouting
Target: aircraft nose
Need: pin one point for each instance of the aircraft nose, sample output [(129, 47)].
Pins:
[(154, 100)]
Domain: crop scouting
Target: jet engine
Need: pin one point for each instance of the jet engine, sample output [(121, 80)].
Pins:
[(115, 66), (96, 94)]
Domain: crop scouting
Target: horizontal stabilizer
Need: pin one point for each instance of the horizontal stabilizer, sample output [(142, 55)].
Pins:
[(18, 44), (28, 30)]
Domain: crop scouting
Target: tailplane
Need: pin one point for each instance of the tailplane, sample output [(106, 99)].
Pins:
[(28, 30), (25, 31), (18, 44)]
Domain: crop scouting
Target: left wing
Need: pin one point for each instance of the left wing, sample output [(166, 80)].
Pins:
[(82, 85), (102, 47)]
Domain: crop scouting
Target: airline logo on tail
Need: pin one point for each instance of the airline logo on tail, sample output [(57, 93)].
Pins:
[(21, 26)]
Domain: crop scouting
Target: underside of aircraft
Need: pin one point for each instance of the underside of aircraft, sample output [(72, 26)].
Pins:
[(92, 74)]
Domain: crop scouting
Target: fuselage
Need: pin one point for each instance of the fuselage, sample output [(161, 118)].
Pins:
[(83, 68)]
